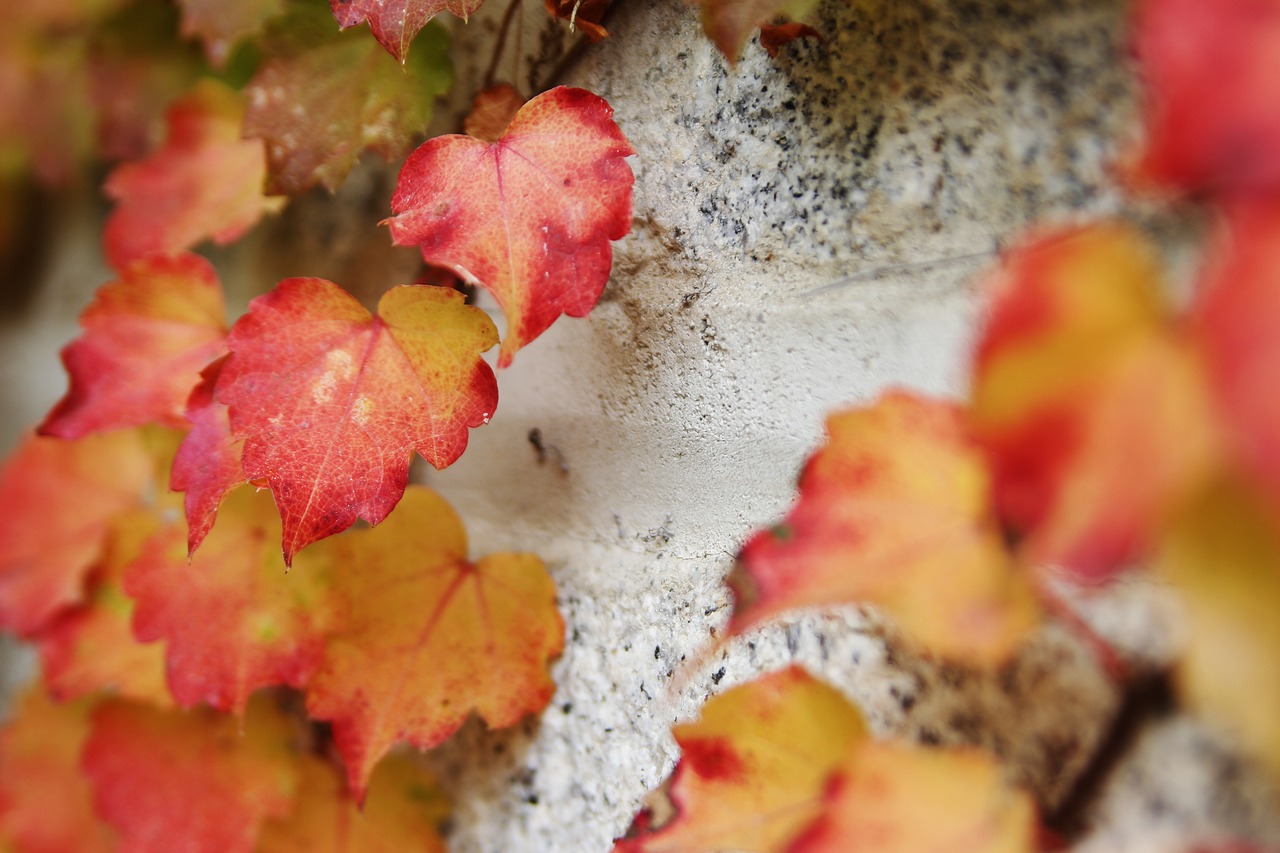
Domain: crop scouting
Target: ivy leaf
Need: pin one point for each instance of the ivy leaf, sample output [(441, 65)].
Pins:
[(194, 781), (529, 216), (895, 507), (753, 768), (429, 637), (205, 182), (1209, 72), (60, 498), (91, 648), (729, 23), (233, 619), (1077, 378), (219, 24), (402, 812), (46, 803), (147, 335), (332, 401), (322, 98), (395, 23)]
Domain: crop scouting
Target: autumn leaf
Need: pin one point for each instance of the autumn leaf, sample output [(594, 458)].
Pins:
[(46, 803), (332, 402), (729, 23), (429, 637), (91, 648), (584, 15), (205, 182), (753, 768), (895, 507), (58, 499), (895, 798), (193, 781), (1209, 72), (529, 216), (322, 98), (232, 619), (402, 812), (395, 23), (147, 335), (774, 36), (219, 24), (492, 112), (1088, 399)]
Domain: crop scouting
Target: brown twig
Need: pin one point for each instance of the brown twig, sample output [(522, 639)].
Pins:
[(507, 17)]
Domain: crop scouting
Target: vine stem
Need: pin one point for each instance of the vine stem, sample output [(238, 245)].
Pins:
[(503, 28)]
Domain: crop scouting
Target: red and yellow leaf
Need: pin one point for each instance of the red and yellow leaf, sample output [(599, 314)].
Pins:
[(1211, 74), (91, 648), (322, 98), (1088, 400), (729, 23), (219, 24), (233, 619), (46, 803), (147, 335), (205, 182), (894, 798), (895, 508), (57, 502), (401, 813), (332, 401), (395, 23), (529, 216), (753, 768), (190, 780), (429, 637)]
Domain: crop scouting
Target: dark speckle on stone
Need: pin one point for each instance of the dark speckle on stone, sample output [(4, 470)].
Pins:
[(717, 675)]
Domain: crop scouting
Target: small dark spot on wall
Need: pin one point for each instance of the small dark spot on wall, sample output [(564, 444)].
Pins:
[(717, 675)]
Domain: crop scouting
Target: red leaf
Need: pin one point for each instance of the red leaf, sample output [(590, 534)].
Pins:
[(773, 37), (395, 23), (332, 402), (529, 216), (146, 338), (204, 182), (729, 23), (582, 14), (57, 501)]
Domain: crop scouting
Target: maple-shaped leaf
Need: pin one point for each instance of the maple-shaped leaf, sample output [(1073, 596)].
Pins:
[(59, 499), (528, 216), (46, 803), (219, 24), (904, 799), (207, 464), (753, 768), (584, 15), (402, 812), (1222, 551), (332, 401), (205, 182), (429, 637), (322, 97), (1210, 95), (729, 23), (1088, 399), (893, 509), (395, 23), (147, 336), (232, 618), (91, 648), (193, 781)]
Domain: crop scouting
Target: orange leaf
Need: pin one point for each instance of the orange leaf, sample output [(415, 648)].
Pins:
[(91, 648), (492, 112), (57, 502), (1212, 84), (774, 36), (204, 182), (194, 781), (528, 216), (233, 619), (1088, 400), (46, 803), (395, 23), (332, 402), (893, 509), (729, 23), (893, 798), (401, 813), (754, 767), (429, 637), (146, 338)]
